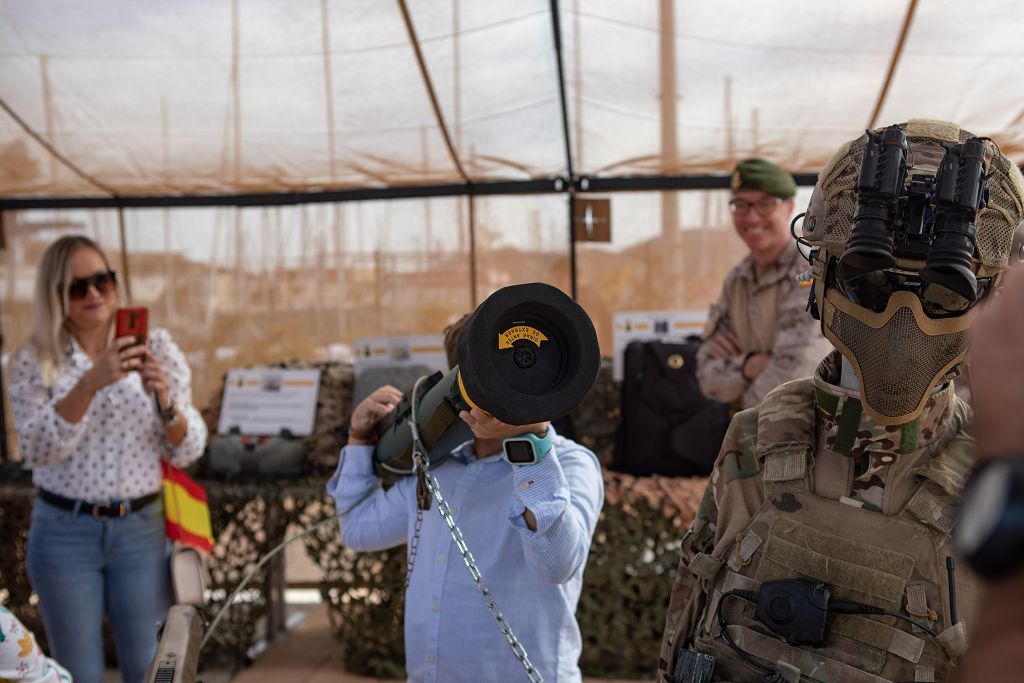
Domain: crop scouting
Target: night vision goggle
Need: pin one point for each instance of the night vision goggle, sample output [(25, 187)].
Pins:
[(926, 218)]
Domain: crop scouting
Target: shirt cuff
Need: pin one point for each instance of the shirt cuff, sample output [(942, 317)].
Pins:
[(196, 435), (354, 461), (64, 429), (543, 489)]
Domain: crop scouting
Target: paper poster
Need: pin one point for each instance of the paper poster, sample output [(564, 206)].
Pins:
[(646, 325), (399, 351), (264, 401)]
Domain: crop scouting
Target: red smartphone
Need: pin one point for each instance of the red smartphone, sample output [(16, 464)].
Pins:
[(132, 322)]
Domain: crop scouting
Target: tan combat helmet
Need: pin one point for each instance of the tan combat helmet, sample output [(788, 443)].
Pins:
[(896, 326)]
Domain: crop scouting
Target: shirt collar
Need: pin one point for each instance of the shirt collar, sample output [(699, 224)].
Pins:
[(849, 430), (465, 454), (75, 354)]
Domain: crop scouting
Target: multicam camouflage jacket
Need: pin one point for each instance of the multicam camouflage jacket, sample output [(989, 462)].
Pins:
[(807, 485), (767, 315)]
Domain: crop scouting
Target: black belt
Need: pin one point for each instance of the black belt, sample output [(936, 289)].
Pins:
[(101, 511)]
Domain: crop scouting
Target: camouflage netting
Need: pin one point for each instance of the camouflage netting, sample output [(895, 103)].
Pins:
[(15, 512), (627, 579)]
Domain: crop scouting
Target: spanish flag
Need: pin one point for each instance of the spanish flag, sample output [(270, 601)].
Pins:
[(188, 516)]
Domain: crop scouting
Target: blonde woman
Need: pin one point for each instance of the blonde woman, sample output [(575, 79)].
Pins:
[(86, 418)]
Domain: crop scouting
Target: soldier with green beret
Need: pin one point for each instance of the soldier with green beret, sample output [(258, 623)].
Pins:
[(757, 335)]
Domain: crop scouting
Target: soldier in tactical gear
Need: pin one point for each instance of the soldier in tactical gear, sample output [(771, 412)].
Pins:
[(821, 548)]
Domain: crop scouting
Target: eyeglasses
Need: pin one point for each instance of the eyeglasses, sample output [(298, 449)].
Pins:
[(764, 207), (79, 287), (873, 289)]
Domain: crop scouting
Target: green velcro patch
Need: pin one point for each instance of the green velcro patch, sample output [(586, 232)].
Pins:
[(829, 402), (910, 435), (849, 422)]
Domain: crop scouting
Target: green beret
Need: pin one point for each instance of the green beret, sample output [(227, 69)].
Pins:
[(761, 174)]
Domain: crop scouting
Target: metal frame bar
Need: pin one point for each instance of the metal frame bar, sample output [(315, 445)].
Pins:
[(550, 185), (556, 32)]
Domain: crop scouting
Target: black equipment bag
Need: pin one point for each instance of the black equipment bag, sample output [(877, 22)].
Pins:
[(668, 426)]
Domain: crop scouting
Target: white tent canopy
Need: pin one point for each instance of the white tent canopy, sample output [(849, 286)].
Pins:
[(121, 98)]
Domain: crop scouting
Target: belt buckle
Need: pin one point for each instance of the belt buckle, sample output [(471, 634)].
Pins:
[(111, 511)]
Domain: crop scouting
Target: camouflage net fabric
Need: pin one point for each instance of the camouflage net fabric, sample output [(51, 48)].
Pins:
[(249, 520), (16, 495)]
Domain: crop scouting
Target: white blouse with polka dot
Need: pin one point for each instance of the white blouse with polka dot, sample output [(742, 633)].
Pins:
[(114, 451)]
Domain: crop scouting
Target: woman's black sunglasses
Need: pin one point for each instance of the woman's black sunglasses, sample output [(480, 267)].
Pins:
[(79, 287)]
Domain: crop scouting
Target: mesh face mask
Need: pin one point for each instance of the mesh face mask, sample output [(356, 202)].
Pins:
[(899, 354), (903, 335)]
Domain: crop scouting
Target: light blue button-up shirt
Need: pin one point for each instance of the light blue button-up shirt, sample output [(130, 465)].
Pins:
[(535, 577)]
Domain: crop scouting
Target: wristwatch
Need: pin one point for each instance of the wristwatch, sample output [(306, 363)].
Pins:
[(527, 449), (989, 532), (168, 416)]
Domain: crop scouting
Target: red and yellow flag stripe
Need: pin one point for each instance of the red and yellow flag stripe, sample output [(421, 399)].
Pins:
[(188, 515)]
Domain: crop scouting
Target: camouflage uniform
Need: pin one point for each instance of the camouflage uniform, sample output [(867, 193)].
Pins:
[(767, 315), (806, 462)]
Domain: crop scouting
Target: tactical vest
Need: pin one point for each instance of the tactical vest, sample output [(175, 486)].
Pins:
[(896, 562)]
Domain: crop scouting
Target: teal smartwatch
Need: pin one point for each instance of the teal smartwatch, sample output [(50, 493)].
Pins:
[(527, 449)]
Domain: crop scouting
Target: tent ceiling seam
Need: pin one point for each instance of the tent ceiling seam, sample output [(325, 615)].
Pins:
[(428, 84), (53, 151)]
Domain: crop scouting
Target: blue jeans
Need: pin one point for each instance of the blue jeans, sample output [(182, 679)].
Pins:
[(82, 567)]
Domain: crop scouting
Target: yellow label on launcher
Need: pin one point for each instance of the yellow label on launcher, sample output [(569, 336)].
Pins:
[(514, 334)]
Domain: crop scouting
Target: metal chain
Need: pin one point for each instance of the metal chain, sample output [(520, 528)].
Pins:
[(421, 469), (413, 547), (422, 464)]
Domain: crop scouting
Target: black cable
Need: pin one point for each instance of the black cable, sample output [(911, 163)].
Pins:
[(843, 607), (951, 573), (800, 240), (771, 675)]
